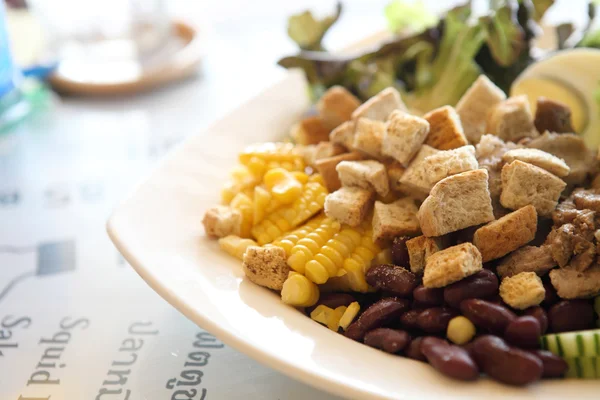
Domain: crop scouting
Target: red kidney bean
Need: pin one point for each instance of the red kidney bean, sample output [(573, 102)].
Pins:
[(550, 296), (506, 364), (524, 331), (554, 366), (452, 361), (333, 300), (571, 315), (435, 319), (413, 350), (409, 320), (483, 314), (388, 340), (481, 285), (400, 251), (378, 314), (430, 297), (392, 278), (538, 313)]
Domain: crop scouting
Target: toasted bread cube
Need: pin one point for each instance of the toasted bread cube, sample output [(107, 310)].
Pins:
[(349, 205), (420, 249), (311, 130), (527, 259), (395, 219), (474, 106), (404, 136), (326, 167), (380, 106), (266, 266), (500, 237), (445, 129), (315, 152), (395, 170), (524, 184), (570, 148), (523, 290), (336, 106), (451, 265), (539, 158), (344, 134), (221, 221), (511, 120), (412, 174), (425, 174), (368, 137), (573, 284), (368, 174), (552, 116), (489, 152), (457, 202)]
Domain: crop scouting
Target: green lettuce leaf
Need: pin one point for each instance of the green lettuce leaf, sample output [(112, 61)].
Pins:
[(505, 37), (307, 31), (404, 16)]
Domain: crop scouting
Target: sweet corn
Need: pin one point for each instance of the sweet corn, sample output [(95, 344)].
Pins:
[(383, 257), (235, 245), (328, 316), (262, 198), (460, 330), (243, 203), (271, 152), (289, 240), (334, 320), (307, 247), (282, 185), (288, 217), (330, 258), (298, 291), (349, 315), (300, 177)]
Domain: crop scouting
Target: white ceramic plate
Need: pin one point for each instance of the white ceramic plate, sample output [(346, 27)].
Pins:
[(158, 230)]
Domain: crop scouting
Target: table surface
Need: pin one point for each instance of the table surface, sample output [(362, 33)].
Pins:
[(75, 321)]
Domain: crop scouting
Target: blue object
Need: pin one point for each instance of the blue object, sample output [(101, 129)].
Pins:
[(9, 73)]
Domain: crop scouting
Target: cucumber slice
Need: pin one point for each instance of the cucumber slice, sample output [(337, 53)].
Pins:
[(583, 367), (573, 344)]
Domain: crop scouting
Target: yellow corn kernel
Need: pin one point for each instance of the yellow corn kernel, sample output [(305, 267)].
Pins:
[(460, 330), (355, 275), (383, 257), (316, 272), (349, 315), (262, 198), (298, 291), (300, 177), (271, 152), (292, 215), (317, 178), (283, 185), (334, 319), (289, 240), (241, 173), (257, 167), (235, 245), (228, 192), (321, 314), (243, 203)]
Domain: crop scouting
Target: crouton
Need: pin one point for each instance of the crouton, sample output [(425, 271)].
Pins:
[(343, 134), (572, 149), (404, 136), (368, 137), (220, 221), (310, 130), (552, 116), (395, 170), (336, 106), (527, 259), (395, 219), (539, 158), (489, 152), (457, 202), (412, 174), (500, 237), (266, 266), (511, 120), (522, 290), (315, 152), (368, 174), (349, 205), (425, 174), (524, 184), (572, 284), (445, 129), (420, 249), (380, 106), (587, 199), (474, 106), (451, 265), (326, 167)]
